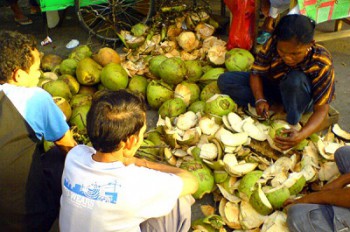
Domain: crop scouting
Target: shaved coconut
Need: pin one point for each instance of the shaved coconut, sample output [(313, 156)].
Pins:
[(321, 149), (235, 121), (277, 196), (309, 173), (230, 197), (260, 202), (186, 121), (253, 131), (248, 184), (179, 153), (232, 139), (230, 159), (279, 178), (208, 126), (231, 211), (295, 182), (311, 151), (340, 132), (240, 169), (249, 217), (276, 222), (183, 92), (330, 148), (209, 151), (328, 171), (226, 122)]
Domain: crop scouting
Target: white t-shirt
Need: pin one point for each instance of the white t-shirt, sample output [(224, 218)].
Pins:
[(100, 196)]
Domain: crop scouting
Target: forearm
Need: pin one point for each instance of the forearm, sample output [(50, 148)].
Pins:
[(337, 197), (190, 183), (340, 182), (67, 142), (314, 124), (256, 86)]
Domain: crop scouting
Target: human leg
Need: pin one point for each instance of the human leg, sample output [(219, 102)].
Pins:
[(342, 158), (236, 85), (296, 95), (310, 218), (18, 13), (178, 220)]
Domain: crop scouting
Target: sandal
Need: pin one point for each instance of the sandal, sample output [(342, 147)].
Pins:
[(35, 10), (24, 21)]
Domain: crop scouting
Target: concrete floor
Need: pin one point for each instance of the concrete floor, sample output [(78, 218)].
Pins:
[(70, 29)]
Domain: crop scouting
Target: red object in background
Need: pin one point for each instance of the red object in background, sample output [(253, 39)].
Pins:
[(241, 33)]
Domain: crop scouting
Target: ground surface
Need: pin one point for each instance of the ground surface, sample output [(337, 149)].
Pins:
[(70, 29)]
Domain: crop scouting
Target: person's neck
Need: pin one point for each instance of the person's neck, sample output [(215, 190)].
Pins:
[(109, 157)]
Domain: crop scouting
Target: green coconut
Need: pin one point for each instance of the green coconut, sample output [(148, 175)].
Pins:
[(154, 63), (172, 70), (188, 92), (238, 59), (114, 77), (157, 93), (211, 75), (209, 90), (248, 183), (50, 61), (260, 202), (68, 66), (277, 196), (194, 70), (138, 84), (78, 118), (203, 174), (220, 176), (58, 88), (81, 52), (86, 89), (72, 82), (88, 72), (172, 108), (220, 105), (80, 99), (197, 106), (139, 29), (65, 107)]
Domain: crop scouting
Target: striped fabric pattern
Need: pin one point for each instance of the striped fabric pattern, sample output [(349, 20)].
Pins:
[(317, 65)]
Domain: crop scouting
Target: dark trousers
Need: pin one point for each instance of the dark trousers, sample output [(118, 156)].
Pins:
[(294, 91)]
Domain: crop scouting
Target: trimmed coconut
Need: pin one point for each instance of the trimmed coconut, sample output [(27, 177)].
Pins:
[(247, 183), (219, 105), (188, 92), (295, 182), (188, 41)]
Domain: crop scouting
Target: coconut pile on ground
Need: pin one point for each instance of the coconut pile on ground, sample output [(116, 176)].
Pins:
[(199, 129)]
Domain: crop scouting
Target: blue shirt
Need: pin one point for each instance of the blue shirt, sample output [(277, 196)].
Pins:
[(39, 110)]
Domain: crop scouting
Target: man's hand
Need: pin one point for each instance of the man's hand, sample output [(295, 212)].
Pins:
[(262, 109), (288, 139)]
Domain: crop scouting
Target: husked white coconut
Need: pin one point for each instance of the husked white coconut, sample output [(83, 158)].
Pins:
[(209, 151), (186, 121), (208, 126)]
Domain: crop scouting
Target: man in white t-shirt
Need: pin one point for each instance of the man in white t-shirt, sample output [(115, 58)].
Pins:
[(105, 188)]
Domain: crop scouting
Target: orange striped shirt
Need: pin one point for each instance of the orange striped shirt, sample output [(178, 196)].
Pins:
[(317, 65)]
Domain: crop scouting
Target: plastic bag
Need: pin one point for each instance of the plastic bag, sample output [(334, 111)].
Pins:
[(241, 33)]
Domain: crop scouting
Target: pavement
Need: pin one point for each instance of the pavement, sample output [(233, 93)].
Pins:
[(70, 29)]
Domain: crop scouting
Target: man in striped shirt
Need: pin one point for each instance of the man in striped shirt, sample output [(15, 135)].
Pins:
[(292, 70)]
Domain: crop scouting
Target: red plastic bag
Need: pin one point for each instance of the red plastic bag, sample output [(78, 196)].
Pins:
[(241, 33)]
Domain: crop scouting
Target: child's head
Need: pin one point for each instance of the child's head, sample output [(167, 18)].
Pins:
[(294, 34), (114, 117), (20, 60)]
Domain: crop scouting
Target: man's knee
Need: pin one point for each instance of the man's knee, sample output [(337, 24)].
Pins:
[(294, 80)]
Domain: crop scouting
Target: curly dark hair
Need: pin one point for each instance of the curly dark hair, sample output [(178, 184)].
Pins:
[(15, 53), (113, 117)]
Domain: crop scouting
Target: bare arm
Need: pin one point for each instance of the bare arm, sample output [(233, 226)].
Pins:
[(190, 183), (338, 183), (257, 88), (67, 142)]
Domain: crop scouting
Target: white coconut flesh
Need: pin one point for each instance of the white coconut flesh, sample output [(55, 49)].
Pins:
[(295, 182), (340, 132), (249, 217), (209, 151), (276, 222), (208, 126), (328, 171), (186, 121), (235, 121)]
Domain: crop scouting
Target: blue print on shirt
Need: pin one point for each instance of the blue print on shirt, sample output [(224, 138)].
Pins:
[(105, 193)]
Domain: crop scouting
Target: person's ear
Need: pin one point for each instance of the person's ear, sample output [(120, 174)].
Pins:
[(131, 142), (17, 75)]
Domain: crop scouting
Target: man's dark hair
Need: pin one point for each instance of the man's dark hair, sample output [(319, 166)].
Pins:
[(15, 53), (113, 117), (295, 26)]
